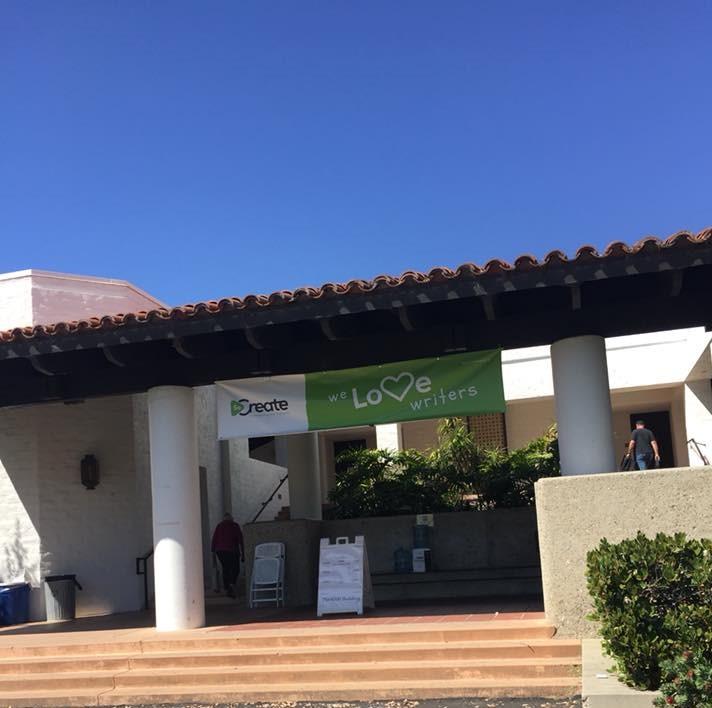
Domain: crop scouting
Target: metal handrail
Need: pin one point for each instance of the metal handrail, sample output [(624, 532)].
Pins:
[(271, 497), (696, 446), (142, 569)]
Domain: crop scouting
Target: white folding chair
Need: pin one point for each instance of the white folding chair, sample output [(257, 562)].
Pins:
[(269, 550), (267, 582), (274, 549)]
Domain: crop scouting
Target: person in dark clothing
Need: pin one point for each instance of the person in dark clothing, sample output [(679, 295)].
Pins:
[(643, 442), (227, 543)]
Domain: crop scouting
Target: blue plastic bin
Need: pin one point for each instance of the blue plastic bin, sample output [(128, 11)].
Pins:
[(14, 603)]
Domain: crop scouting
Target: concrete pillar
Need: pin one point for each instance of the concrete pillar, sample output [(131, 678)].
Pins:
[(389, 437), (304, 476), (698, 419), (175, 488), (583, 406)]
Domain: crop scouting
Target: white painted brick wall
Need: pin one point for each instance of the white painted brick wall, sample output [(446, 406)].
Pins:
[(142, 466), (19, 497), (91, 533), (252, 482), (50, 523)]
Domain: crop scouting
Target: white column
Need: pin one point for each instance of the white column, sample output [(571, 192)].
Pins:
[(389, 437), (583, 406), (304, 476), (175, 488), (698, 419)]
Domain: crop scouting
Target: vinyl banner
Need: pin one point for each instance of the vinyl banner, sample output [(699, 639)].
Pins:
[(453, 385)]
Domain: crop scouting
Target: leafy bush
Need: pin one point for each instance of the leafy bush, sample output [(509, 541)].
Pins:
[(507, 479), (653, 598), (687, 682), (457, 475)]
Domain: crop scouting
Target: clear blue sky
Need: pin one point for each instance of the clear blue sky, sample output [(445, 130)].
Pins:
[(208, 148)]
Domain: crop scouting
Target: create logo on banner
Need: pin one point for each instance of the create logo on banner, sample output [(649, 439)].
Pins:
[(459, 384), (262, 406), (245, 407)]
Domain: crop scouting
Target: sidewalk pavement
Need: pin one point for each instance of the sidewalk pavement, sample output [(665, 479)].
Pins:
[(601, 688)]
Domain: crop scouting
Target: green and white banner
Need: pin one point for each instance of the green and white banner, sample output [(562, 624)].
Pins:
[(457, 384)]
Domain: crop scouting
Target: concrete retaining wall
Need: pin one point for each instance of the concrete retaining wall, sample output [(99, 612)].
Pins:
[(575, 513), (465, 540), (505, 538)]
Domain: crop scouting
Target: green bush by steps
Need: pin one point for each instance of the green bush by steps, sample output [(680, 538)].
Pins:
[(687, 682), (653, 599)]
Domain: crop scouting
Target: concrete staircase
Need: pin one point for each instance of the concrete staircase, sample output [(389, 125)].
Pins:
[(329, 662)]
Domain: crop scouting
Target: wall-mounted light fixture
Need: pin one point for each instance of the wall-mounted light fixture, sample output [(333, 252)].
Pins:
[(90, 471)]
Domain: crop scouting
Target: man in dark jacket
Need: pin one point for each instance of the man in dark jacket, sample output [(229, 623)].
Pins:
[(643, 442), (227, 542)]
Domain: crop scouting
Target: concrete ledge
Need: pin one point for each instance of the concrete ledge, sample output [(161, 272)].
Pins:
[(483, 582), (608, 692), (575, 513)]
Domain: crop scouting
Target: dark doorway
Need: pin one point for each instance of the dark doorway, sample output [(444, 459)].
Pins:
[(659, 423)]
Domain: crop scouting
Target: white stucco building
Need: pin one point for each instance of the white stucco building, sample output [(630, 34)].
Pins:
[(51, 524)]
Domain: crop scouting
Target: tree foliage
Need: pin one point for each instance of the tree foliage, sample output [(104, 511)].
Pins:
[(456, 475)]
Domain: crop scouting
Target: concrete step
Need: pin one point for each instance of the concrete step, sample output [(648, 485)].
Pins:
[(78, 648), (360, 691), (60, 665), (450, 651), (520, 669), (68, 681), (323, 661), (334, 673), (339, 635), (328, 636)]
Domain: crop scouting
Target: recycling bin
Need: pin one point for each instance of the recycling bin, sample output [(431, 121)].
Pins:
[(14, 603)]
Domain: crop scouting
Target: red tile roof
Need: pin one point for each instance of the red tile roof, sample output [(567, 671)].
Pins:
[(524, 263)]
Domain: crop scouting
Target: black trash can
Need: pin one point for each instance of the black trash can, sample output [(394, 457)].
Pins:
[(60, 597)]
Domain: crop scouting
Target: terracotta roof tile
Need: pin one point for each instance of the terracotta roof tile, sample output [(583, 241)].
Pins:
[(524, 263)]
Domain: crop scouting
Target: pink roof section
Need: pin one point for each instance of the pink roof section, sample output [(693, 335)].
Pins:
[(35, 297)]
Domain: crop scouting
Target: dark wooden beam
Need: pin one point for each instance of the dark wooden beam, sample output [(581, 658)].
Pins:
[(153, 365)]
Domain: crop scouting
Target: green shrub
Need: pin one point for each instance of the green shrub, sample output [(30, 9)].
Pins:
[(507, 479), (456, 475), (653, 599), (687, 682)]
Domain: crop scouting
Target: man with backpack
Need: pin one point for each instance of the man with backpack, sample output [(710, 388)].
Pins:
[(645, 446)]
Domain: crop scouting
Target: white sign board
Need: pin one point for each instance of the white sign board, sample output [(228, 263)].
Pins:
[(344, 577)]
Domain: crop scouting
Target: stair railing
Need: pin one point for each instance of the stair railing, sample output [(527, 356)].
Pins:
[(142, 569), (696, 446), (271, 497)]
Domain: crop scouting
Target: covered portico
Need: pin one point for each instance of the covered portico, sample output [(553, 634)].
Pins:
[(572, 304)]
